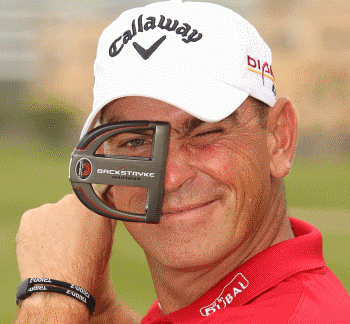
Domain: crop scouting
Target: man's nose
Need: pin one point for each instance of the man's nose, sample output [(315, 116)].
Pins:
[(179, 169)]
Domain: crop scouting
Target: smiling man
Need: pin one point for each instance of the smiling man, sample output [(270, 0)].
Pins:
[(225, 250)]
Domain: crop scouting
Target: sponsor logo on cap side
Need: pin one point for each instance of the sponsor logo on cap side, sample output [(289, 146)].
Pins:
[(230, 291), (83, 168), (274, 89), (150, 23), (260, 67)]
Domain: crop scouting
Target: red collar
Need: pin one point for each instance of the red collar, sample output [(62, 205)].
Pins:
[(260, 273)]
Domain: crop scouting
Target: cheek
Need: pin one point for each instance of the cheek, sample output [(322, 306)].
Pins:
[(128, 199), (230, 162), (244, 169), (243, 166)]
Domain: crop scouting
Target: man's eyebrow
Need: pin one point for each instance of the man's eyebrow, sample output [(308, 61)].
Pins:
[(190, 124), (110, 119), (141, 131)]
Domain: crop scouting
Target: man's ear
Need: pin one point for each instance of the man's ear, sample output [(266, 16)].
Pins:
[(282, 123)]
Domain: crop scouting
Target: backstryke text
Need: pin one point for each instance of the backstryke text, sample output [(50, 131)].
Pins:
[(127, 173)]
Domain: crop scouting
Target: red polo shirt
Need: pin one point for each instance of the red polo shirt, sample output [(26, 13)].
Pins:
[(286, 283)]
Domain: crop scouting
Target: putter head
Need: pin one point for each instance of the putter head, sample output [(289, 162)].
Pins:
[(107, 156)]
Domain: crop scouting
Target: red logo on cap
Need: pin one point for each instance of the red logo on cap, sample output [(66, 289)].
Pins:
[(265, 69)]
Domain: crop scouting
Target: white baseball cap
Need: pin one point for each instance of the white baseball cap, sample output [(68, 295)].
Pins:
[(200, 57)]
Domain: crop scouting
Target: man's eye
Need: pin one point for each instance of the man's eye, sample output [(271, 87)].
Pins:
[(210, 132), (135, 142), (205, 138)]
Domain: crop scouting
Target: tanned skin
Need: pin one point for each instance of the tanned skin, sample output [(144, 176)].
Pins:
[(224, 202)]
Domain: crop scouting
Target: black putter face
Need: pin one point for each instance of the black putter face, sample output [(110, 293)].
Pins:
[(117, 170)]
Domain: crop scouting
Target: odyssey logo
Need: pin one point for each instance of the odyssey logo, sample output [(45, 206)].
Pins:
[(83, 169), (149, 24)]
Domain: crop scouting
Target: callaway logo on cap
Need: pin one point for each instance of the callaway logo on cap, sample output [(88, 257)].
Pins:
[(151, 23), (200, 57)]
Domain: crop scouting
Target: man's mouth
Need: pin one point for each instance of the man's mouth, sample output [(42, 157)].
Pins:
[(175, 210)]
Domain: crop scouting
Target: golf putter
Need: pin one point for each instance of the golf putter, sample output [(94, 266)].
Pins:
[(105, 157)]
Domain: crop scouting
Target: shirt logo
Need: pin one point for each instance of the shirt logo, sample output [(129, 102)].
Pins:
[(184, 30), (230, 291)]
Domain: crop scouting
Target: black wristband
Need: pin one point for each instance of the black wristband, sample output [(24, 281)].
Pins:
[(26, 288)]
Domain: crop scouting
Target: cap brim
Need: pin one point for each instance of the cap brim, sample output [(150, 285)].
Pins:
[(209, 100)]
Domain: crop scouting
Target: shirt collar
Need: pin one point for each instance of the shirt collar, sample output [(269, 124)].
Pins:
[(260, 273)]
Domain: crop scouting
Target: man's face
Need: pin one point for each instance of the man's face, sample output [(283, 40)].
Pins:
[(217, 184)]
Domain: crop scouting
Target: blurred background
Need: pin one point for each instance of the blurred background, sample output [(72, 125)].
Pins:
[(47, 50)]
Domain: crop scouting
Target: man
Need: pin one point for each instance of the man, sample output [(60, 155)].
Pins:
[(225, 250)]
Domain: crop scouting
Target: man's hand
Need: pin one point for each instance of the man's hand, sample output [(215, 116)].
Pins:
[(67, 242)]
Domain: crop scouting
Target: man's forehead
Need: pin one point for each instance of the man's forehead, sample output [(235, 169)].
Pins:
[(139, 107), (145, 108)]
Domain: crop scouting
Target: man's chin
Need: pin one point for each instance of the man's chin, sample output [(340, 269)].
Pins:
[(192, 259)]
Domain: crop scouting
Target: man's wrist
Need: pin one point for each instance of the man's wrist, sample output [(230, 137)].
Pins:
[(52, 308), (44, 285)]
